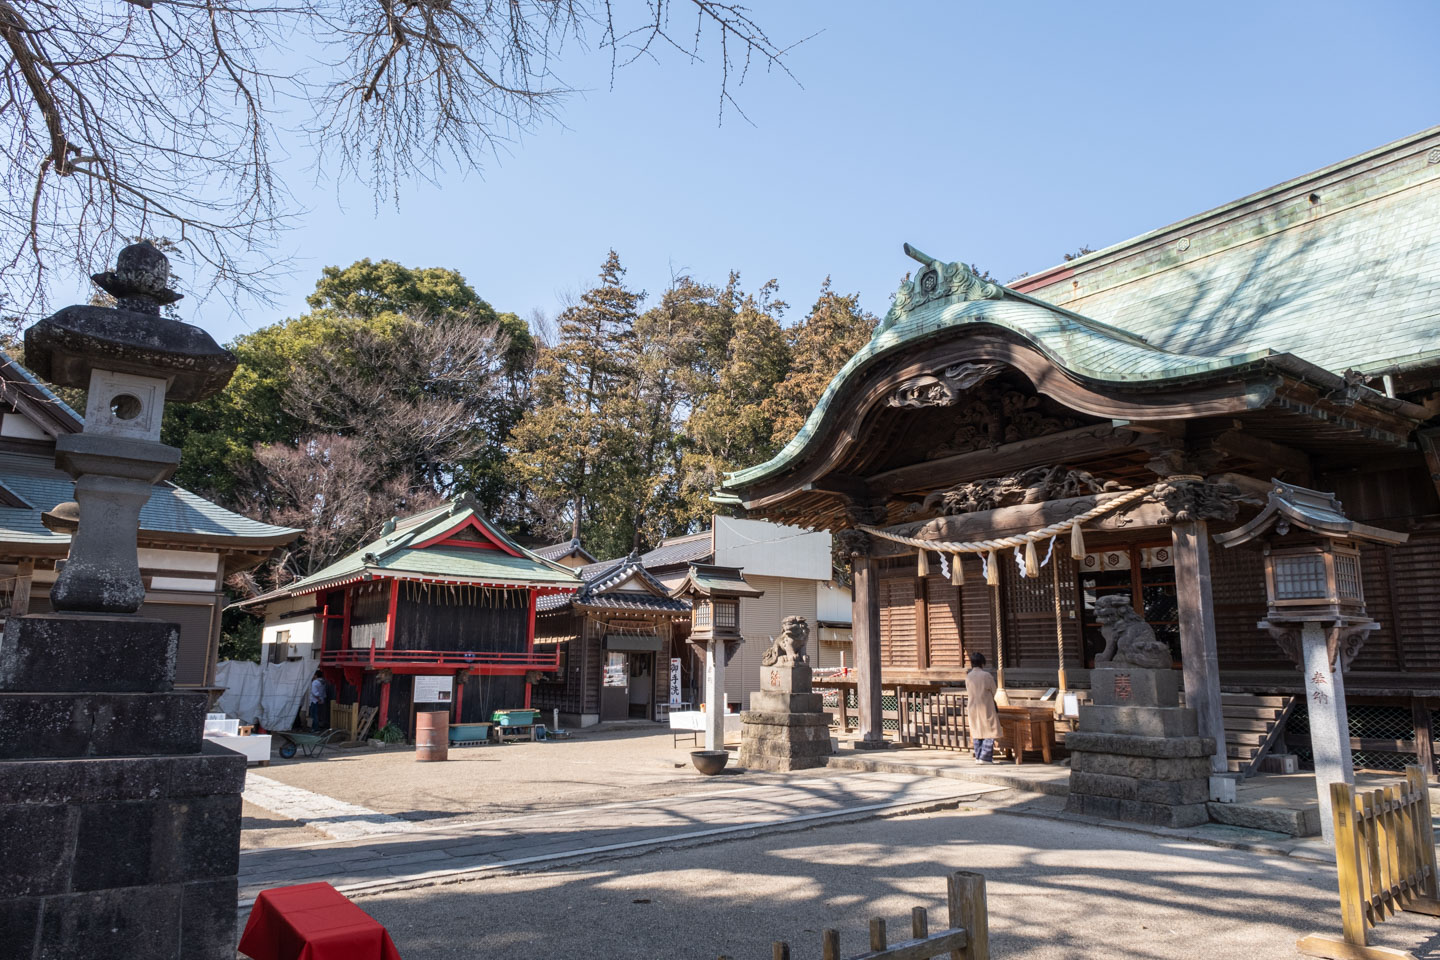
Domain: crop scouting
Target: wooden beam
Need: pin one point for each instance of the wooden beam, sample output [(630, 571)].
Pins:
[(1237, 443), (1063, 447), (1010, 521)]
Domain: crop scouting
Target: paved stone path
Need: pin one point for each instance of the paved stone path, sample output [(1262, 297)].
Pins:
[(417, 854), (334, 818)]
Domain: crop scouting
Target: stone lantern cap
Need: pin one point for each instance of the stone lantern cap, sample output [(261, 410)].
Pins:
[(708, 580), (1290, 506), (130, 337)]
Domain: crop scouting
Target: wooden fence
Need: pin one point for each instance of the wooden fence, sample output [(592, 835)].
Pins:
[(933, 720), (354, 719), (1385, 858), (966, 938)]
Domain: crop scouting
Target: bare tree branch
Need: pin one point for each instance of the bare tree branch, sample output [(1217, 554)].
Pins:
[(158, 118)]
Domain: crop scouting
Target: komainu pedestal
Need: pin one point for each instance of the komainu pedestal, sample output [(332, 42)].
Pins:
[(1137, 755), (785, 727)]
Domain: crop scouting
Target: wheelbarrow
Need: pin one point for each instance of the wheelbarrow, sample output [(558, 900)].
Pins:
[(309, 744)]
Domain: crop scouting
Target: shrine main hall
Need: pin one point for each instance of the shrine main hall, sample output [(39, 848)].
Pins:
[(1172, 420)]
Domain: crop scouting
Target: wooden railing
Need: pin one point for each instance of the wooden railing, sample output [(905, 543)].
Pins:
[(966, 938), (385, 657), (933, 720), (1385, 858)]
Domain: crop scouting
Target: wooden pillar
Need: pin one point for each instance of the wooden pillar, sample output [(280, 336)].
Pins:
[(390, 618), (346, 606), (865, 645), (1198, 654), (530, 639), (384, 706), (20, 596), (1424, 737)]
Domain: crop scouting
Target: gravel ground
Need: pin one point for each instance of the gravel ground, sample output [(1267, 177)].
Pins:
[(1056, 890), (502, 781)]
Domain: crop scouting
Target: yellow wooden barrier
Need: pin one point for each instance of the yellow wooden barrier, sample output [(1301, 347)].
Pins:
[(967, 937), (1385, 857), (344, 717)]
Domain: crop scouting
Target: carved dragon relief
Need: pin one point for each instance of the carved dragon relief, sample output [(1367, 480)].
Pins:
[(1036, 485), (944, 388), (996, 416)]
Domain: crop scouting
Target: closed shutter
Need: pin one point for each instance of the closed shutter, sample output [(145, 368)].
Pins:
[(976, 628), (1378, 565), (1416, 606), (897, 623), (942, 611), (1031, 638), (192, 660), (1237, 588)]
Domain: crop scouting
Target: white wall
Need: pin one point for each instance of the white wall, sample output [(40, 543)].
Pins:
[(302, 630), (832, 602), (772, 550)]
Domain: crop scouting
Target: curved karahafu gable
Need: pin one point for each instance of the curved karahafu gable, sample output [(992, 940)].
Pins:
[(952, 340)]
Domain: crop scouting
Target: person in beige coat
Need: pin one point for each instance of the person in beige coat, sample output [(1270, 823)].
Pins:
[(980, 710)]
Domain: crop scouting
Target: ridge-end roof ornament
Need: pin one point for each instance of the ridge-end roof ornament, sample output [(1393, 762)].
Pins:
[(937, 280)]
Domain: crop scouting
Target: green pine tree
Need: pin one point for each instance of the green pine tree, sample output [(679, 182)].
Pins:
[(571, 449)]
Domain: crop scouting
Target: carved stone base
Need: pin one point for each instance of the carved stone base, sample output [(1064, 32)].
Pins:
[(784, 741), (1137, 756)]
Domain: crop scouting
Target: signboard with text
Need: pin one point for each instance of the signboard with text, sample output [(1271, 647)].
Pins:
[(674, 681), (434, 689)]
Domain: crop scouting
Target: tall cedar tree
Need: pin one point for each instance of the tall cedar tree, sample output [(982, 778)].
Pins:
[(835, 329), (730, 425), (572, 448)]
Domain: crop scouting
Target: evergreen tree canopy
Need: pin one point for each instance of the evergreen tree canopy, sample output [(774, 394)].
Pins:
[(834, 330), (570, 449)]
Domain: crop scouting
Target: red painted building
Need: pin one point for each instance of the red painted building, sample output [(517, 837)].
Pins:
[(443, 594)]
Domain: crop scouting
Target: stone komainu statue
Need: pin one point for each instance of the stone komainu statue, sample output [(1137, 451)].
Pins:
[(788, 649), (1129, 641)]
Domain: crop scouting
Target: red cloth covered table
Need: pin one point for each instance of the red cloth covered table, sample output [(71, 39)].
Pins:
[(313, 921)]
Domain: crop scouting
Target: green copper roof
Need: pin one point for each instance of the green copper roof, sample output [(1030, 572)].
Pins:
[(1084, 347), (396, 552), (1338, 266)]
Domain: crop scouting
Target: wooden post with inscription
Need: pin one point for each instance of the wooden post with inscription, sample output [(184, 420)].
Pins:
[(1198, 655), (865, 640)]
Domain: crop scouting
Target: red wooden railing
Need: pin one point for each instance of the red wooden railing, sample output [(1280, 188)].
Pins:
[(384, 656)]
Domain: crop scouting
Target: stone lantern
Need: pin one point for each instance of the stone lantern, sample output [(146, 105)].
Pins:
[(715, 594), (1316, 610), (120, 825)]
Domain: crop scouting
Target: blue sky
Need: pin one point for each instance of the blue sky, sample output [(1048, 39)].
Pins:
[(1003, 134)]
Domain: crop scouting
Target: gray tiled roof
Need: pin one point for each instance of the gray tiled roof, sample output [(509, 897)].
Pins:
[(170, 510), (601, 577), (564, 548), (678, 550)]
